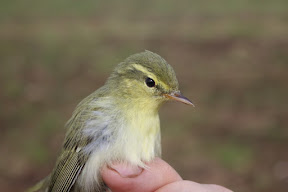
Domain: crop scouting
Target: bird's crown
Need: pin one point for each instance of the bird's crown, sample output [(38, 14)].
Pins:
[(149, 68)]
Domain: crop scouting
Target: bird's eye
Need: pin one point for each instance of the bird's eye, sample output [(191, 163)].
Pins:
[(150, 82)]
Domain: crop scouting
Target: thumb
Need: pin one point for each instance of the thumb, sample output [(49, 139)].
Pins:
[(123, 177)]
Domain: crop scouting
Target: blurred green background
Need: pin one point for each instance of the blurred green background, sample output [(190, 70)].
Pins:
[(231, 58)]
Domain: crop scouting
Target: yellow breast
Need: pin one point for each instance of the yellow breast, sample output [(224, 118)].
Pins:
[(139, 137)]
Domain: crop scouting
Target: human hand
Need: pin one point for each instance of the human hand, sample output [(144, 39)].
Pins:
[(159, 177)]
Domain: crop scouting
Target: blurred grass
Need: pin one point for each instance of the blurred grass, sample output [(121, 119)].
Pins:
[(230, 56), (97, 7)]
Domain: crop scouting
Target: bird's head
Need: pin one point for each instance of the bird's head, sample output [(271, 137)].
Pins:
[(144, 79)]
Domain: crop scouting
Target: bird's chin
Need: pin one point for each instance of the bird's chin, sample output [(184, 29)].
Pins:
[(162, 100)]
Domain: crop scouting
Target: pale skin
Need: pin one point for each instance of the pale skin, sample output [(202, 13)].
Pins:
[(160, 177)]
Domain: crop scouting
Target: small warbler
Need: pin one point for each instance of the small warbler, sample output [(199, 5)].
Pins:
[(119, 122)]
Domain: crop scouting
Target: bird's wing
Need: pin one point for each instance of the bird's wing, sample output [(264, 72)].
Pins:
[(79, 144), (85, 131), (72, 158), (69, 166), (64, 175)]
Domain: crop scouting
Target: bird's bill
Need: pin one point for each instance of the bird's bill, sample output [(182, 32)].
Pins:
[(177, 96)]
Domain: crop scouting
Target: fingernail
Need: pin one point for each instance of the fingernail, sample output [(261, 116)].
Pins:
[(126, 170)]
